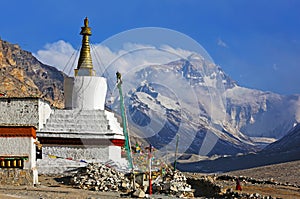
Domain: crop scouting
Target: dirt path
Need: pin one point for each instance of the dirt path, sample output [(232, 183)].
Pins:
[(285, 192), (278, 191), (13, 192)]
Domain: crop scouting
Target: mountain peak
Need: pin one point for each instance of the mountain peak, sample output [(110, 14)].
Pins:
[(195, 57)]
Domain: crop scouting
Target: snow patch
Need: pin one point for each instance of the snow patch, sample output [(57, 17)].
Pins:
[(210, 82), (263, 140), (168, 103)]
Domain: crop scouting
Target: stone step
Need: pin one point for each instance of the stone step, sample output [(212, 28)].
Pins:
[(78, 125), (76, 112), (89, 121), (64, 130), (79, 117), (77, 120)]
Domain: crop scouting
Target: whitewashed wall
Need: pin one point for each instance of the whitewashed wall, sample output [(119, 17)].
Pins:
[(49, 165), (115, 153), (19, 146), (85, 92), (77, 153), (115, 126), (44, 113)]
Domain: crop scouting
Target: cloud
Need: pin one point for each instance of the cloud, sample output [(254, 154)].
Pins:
[(178, 51), (131, 56), (56, 54), (221, 43), (275, 67)]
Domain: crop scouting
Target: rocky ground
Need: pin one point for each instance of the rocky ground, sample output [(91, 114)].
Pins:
[(276, 181)]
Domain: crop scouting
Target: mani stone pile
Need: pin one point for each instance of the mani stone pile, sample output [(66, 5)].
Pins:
[(98, 177), (173, 183)]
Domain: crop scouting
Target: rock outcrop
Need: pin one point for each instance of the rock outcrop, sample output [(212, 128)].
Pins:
[(22, 75)]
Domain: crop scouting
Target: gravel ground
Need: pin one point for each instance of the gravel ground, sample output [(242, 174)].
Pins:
[(284, 172), (52, 186)]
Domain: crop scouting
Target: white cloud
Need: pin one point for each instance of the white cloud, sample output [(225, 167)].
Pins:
[(132, 56), (221, 43), (56, 54), (275, 67), (178, 51)]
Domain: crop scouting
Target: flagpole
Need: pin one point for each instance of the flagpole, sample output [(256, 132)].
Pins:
[(176, 150), (150, 175)]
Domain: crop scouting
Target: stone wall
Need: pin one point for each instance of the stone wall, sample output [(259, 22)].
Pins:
[(204, 187), (15, 177), (23, 111), (19, 111)]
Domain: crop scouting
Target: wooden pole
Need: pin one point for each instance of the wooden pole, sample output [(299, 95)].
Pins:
[(150, 169), (176, 150), (125, 128)]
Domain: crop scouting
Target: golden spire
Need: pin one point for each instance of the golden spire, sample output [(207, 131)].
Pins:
[(85, 64)]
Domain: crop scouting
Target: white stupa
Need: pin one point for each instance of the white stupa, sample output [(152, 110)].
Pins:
[(84, 131)]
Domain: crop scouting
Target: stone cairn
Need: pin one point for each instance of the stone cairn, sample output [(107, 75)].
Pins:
[(256, 181), (173, 183), (98, 177)]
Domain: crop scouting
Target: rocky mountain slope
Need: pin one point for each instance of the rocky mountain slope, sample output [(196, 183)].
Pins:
[(261, 114), (21, 75), (289, 143)]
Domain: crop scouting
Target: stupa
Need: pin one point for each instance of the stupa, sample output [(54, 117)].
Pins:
[(84, 131)]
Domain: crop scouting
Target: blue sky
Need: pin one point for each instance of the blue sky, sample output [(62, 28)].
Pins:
[(256, 42)]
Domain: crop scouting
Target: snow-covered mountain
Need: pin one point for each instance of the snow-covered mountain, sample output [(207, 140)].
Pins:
[(211, 114), (261, 114)]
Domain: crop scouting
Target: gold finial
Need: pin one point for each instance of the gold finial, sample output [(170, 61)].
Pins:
[(86, 22), (85, 63), (86, 30)]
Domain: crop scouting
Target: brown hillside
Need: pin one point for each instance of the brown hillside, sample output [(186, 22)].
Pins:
[(22, 75)]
